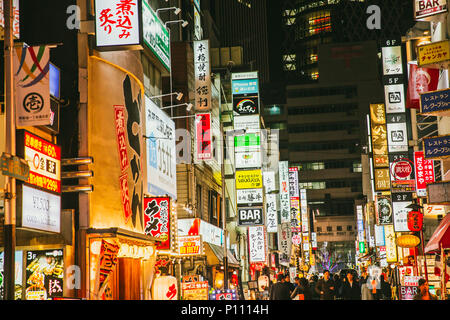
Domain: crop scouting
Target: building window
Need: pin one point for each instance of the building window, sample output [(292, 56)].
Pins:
[(289, 62), (349, 228), (273, 110), (319, 229), (357, 167), (278, 125), (152, 80), (315, 75), (329, 229), (312, 185), (339, 228)]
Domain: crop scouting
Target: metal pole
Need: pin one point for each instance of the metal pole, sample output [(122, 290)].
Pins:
[(10, 147), (224, 223)]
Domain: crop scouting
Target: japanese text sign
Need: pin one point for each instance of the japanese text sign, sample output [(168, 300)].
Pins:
[(250, 216), (44, 159), (284, 243), (424, 173), (285, 209), (384, 210), (249, 196), (108, 260), (392, 60), (157, 219), (436, 147), (117, 22), (203, 135), (249, 179), (195, 290), (271, 213), (391, 247), (189, 245), (202, 76), (257, 244), (433, 53), (435, 102), (379, 135), (382, 179), (400, 201)]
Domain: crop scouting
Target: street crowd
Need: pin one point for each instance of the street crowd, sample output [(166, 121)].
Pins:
[(343, 286)]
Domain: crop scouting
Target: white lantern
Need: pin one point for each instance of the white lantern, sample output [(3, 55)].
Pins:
[(263, 281), (165, 288)]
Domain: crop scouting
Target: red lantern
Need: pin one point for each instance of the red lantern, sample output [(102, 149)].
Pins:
[(415, 220)]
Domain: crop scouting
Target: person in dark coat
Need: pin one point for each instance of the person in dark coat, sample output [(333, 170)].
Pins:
[(385, 292), (312, 285), (280, 290), (289, 284), (302, 289), (325, 287), (350, 288)]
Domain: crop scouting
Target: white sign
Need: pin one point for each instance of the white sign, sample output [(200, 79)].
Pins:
[(117, 23), (269, 181), (161, 152), (392, 60), (284, 243), (246, 122), (401, 216), (292, 273), (394, 96), (249, 196), (244, 75), (198, 31), (426, 8), (434, 210), (31, 80), (271, 213), (379, 235), (16, 21), (210, 233), (41, 210), (248, 159), (304, 210), (293, 183), (411, 280), (202, 76), (397, 137), (314, 240), (285, 207), (257, 244)]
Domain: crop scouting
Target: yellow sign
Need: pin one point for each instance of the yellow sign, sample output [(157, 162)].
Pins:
[(407, 241), (382, 180), (249, 179), (391, 247), (379, 135), (432, 53)]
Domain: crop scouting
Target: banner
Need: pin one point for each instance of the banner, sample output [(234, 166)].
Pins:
[(157, 219), (108, 260), (257, 244), (271, 213), (424, 173), (203, 135), (421, 80), (285, 209), (32, 86), (202, 76)]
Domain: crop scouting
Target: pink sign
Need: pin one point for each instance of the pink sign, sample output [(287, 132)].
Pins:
[(424, 173)]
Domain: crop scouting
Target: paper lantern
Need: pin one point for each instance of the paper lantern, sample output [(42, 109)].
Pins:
[(415, 220), (263, 281), (407, 241), (165, 288)]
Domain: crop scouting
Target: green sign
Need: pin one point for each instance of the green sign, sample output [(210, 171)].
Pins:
[(15, 167), (362, 247), (248, 140), (156, 35)]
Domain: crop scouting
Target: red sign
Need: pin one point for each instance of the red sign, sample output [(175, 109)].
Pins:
[(157, 219), (204, 136), (119, 117), (424, 173), (44, 159), (420, 80), (125, 196), (415, 220), (108, 259), (402, 169)]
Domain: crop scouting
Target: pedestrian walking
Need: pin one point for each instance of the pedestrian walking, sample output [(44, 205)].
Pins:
[(325, 287), (350, 288), (385, 292), (366, 294), (280, 290), (290, 285), (312, 286)]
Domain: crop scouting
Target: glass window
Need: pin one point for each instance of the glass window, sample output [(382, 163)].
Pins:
[(319, 229), (339, 228), (349, 228), (329, 228), (357, 167)]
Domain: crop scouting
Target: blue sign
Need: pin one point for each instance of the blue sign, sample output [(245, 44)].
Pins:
[(245, 86), (435, 101), (436, 147), (55, 80)]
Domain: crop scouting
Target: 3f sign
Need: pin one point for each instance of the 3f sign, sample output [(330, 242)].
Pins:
[(374, 21)]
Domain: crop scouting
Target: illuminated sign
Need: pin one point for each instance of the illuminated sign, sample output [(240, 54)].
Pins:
[(157, 219), (435, 103), (250, 216), (195, 290), (44, 159), (271, 213), (285, 209), (427, 8), (391, 247), (202, 76), (203, 135), (378, 134), (433, 53), (437, 147), (257, 244), (249, 196), (400, 201), (189, 245), (424, 173), (249, 179)]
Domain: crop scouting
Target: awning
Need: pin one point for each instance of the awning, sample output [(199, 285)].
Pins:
[(441, 236), (214, 255)]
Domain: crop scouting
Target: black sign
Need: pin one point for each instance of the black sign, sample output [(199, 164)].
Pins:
[(245, 105), (384, 210), (401, 197), (250, 216), (436, 147)]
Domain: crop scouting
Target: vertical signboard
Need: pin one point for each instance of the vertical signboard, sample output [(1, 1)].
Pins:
[(271, 213), (294, 199), (379, 135), (400, 201), (285, 209), (161, 151), (304, 210), (157, 219), (384, 210), (203, 135), (202, 75), (284, 243), (379, 235), (424, 173), (391, 247), (257, 244)]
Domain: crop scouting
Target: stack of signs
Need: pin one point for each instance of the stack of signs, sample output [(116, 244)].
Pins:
[(294, 195)]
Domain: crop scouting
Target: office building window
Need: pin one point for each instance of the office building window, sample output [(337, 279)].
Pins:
[(319, 229), (329, 229), (357, 167)]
